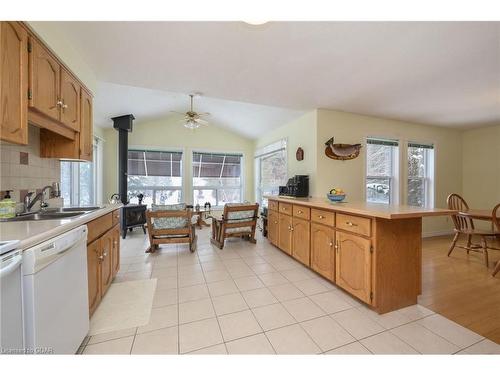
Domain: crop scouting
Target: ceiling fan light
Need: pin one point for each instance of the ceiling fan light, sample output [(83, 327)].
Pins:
[(191, 124)]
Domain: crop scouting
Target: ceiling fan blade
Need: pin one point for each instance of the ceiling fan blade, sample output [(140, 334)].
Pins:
[(179, 113), (202, 122), (203, 114)]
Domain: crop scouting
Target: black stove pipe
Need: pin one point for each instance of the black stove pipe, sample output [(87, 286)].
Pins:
[(124, 125)]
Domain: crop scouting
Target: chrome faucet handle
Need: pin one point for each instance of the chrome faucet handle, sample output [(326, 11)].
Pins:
[(27, 200)]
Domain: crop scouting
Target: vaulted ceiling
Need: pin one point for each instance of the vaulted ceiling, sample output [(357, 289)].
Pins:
[(441, 73)]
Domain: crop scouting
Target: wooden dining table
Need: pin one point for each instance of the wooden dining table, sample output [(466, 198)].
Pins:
[(485, 215)]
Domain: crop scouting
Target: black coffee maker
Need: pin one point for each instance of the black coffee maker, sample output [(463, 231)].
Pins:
[(297, 186)]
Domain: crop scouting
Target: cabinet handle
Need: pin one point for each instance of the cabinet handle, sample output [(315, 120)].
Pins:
[(100, 257), (321, 217), (275, 222), (331, 244), (337, 245), (64, 106), (291, 228), (115, 242), (299, 212), (59, 103), (351, 224), (105, 254)]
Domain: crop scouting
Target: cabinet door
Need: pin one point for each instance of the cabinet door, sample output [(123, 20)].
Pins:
[(322, 250), (301, 241), (86, 126), (285, 233), (272, 227), (353, 272), (70, 97), (115, 250), (13, 83), (94, 274), (106, 260), (44, 81)]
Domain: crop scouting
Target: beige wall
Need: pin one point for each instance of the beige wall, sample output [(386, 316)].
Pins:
[(313, 129), (300, 132), (168, 133), (481, 166)]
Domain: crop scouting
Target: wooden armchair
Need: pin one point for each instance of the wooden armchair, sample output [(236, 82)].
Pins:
[(465, 225), (170, 224), (238, 220)]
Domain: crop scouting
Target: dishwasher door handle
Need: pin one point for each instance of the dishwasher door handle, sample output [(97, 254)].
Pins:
[(16, 261)]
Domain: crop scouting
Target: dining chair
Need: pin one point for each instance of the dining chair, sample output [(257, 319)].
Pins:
[(465, 225), (495, 214)]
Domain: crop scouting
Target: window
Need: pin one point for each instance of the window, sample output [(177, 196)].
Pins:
[(80, 180), (382, 171), (217, 178), (420, 175), (155, 174), (270, 169)]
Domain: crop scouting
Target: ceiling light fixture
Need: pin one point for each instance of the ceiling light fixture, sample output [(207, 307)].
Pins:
[(256, 22)]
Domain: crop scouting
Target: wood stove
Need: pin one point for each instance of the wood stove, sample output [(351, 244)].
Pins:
[(133, 216)]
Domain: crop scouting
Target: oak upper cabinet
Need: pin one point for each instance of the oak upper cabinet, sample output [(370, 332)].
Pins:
[(285, 233), (272, 227), (106, 260), (94, 275), (86, 126), (301, 240), (353, 265), (70, 100), (13, 83), (44, 81), (322, 250), (115, 250)]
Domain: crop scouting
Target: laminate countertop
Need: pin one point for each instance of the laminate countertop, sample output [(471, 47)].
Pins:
[(31, 233), (378, 210)]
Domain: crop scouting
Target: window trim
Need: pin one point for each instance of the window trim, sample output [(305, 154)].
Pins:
[(396, 166), (268, 150), (192, 187), (429, 179)]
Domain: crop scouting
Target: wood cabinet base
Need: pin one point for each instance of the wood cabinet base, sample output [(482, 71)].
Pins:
[(375, 260)]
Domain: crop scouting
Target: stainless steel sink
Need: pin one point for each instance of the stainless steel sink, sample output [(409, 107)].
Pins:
[(52, 214)]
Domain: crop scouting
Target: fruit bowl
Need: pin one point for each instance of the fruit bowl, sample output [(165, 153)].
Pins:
[(336, 197)]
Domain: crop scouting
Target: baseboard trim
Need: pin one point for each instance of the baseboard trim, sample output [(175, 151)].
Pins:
[(437, 233)]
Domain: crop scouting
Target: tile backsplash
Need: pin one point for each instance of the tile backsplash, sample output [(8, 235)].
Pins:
[(22, 169)]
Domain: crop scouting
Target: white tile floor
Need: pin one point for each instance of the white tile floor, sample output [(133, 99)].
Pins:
[(253, 299)]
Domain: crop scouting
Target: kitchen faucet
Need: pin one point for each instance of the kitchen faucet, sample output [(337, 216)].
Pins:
[(29, 203)]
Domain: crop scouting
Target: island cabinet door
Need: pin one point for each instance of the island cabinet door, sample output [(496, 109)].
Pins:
[(285, 233), (115, 249), (272, 227), (353, 265), (106, 261), (301, 241), (94, 274), (322, 250)]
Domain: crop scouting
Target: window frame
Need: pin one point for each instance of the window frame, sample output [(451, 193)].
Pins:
[(394, 178), (267, 151), (430, 172), (155, 188), (212, 187), (96, 165)]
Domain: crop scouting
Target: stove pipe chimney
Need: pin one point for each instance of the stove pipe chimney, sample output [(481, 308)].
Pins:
[(124, 125)]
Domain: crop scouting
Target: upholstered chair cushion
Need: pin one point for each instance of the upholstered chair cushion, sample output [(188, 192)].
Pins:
[(169, 222)]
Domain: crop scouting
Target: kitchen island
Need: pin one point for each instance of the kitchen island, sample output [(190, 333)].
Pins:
[(373, 251)]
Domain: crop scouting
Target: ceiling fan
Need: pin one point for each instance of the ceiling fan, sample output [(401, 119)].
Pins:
[(192, 120)]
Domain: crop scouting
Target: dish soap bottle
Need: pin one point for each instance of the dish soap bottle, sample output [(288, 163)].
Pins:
[(7, 206)]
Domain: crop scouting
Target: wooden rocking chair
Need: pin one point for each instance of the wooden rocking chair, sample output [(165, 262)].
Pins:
[(238, 220), (170, 224), (496, 220)]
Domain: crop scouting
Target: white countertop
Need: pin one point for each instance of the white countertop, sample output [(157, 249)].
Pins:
[(31, 233)]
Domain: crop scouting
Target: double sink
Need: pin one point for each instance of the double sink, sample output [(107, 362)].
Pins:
[(52, 214)]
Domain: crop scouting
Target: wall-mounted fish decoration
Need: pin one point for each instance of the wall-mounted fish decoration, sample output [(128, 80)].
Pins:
[(341, 151)]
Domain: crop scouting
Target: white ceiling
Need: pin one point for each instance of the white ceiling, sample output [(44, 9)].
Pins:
[(442, 73), (249, 120)]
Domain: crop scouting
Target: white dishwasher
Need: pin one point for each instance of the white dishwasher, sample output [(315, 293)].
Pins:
[(56, 311)]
